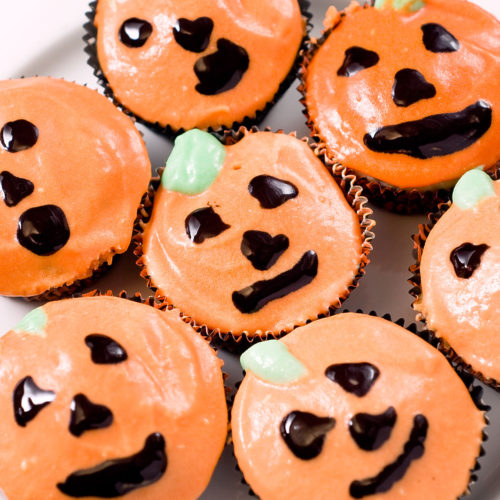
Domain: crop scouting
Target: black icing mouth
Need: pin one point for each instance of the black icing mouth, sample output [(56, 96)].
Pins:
[(395, 471), (114, 478), (254, 297), (435, 135)]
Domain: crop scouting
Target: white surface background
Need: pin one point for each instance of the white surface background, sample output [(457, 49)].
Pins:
[(44, 38)]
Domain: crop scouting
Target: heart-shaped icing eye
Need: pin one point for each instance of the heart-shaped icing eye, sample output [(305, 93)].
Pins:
[(222, 70), (134, 32), (263, 250), (18, 136), (193, 35)]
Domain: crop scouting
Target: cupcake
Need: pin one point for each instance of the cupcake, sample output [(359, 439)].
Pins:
[(192, 63), (404, 93), (457, 278), (73, 172), (104, 397), (254, 237), (354, 406)]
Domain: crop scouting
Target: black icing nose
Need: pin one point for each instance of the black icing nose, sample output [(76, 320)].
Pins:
[(43, 230), (410, 86)]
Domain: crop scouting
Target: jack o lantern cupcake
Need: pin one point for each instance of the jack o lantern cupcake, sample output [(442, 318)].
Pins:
[(73, 172), (404, 93), (103, 397), (196, 64), (331, 410), (457, 277), (254, 237)]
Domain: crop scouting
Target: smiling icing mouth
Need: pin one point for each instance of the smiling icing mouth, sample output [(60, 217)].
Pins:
[(390, 474), (435, 135), (117, 477)]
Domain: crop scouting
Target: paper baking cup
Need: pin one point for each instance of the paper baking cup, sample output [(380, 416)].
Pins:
[(353, 193), (90, 39)]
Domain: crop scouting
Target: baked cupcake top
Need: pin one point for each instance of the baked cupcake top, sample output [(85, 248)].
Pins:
[(103, 397), (254, 237), (460, 274), (354, 406), (408, 96), (73, 172), (193, 63)]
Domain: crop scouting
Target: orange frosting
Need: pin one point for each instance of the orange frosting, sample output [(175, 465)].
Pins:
[(414, 379), (171, 383), (465, 312), (90, 161), (200, 278), (344, 109), (157, 81)]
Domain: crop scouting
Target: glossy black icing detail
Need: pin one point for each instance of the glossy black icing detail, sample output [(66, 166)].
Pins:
[(114, 478), (43, 230), (370, 431), (222, 70), (437, 39), (385, 480), (271, 191), (193, 35), (135, 32), (204, 223), (29, 399), (262, 249), (104, 350), (410, 86), (87, 416), (18, 135), (254, 297), (304, 433), (357, 59), (356, 378), (14, 189), (436, 135), (466, 258)]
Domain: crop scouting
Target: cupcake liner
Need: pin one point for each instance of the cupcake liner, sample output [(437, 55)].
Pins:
[(382, 194), (353, 193), (440, 343), (90, 40), (475, 391)]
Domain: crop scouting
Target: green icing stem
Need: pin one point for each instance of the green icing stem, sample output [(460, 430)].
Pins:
[(33, 323), (472, 187), (407, 5), (194, 163), (271, 360)]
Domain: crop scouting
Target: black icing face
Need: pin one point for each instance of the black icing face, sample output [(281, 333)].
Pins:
[(430, 136), (217, 72), (42, 230), (110, 478), (262, 249), (305, 433)]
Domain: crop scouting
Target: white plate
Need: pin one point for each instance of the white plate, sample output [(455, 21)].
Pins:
[(44, 38)]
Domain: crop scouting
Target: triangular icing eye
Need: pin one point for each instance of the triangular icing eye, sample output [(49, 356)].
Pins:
[(356, 378), (204, 223), (438, 39), (357, 59), (29, 399), (104, 350)]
